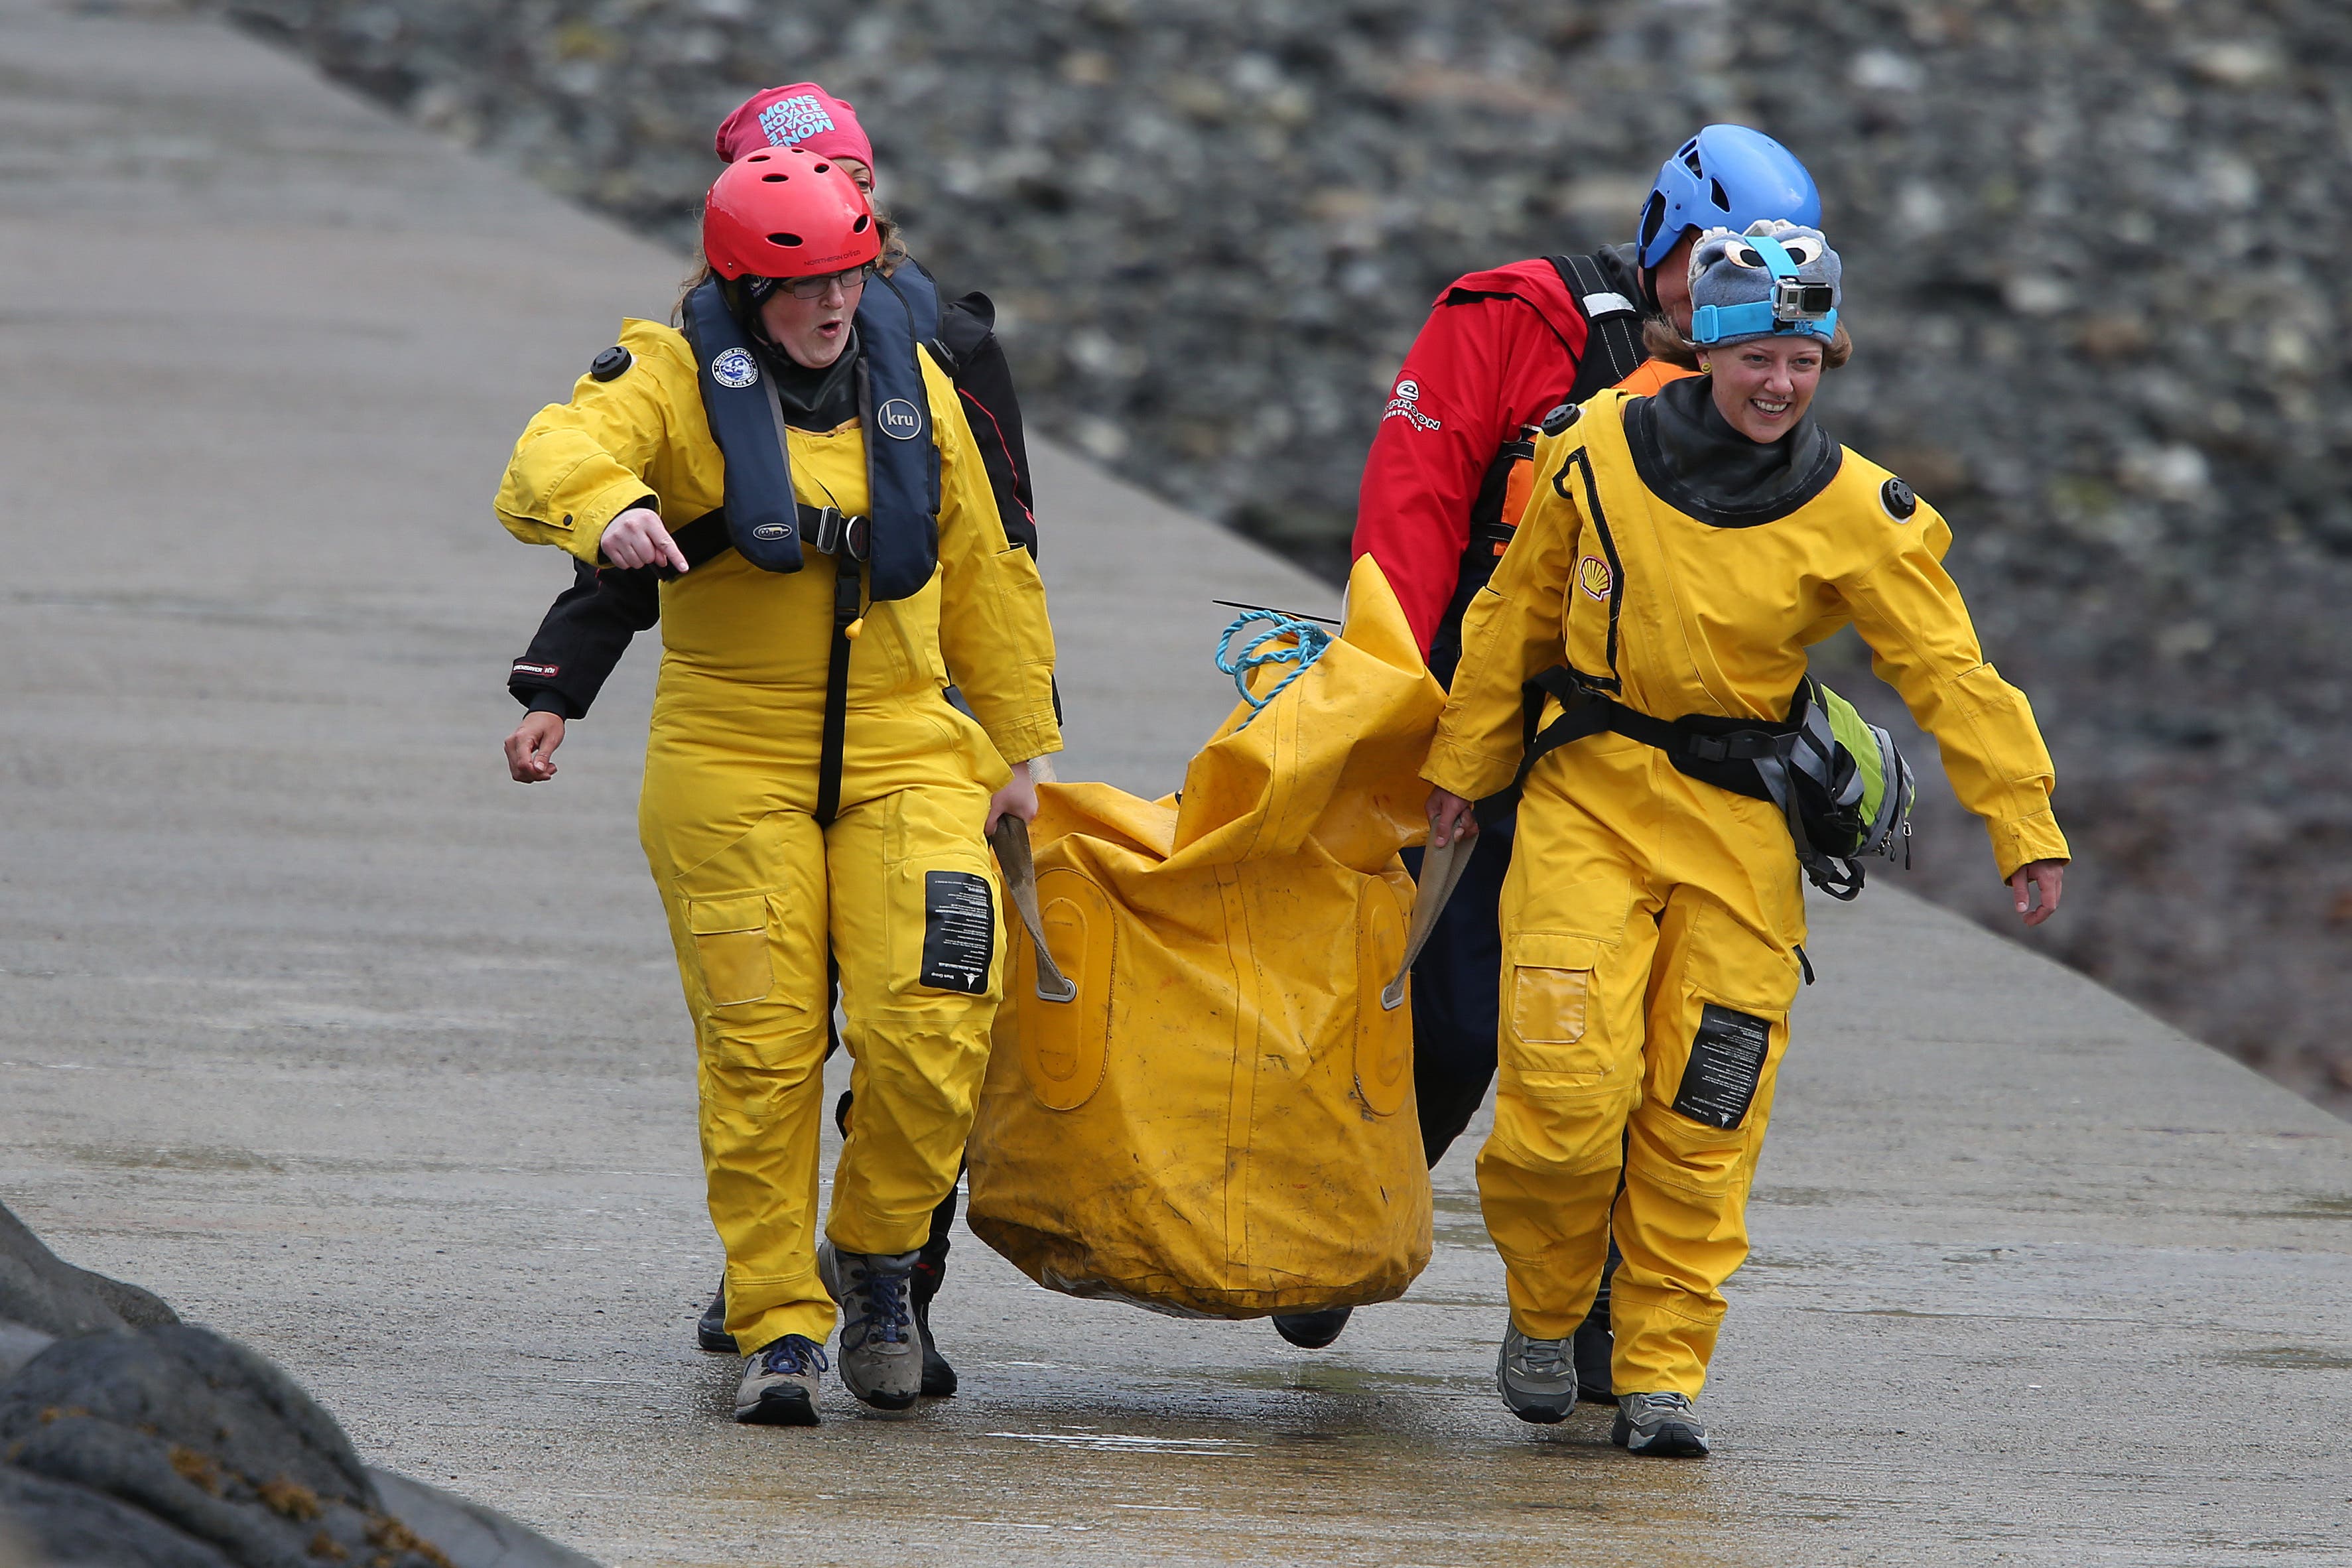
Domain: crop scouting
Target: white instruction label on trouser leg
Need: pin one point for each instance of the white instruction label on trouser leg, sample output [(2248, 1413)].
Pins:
[(1726, 1063), (959, 932)]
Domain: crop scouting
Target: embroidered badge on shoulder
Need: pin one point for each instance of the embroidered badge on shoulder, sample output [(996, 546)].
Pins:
[(735, 368), (1404, 404), (1592, 576), (1896, 498)]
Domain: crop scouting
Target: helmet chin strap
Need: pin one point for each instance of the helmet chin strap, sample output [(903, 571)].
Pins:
[(737, 292)]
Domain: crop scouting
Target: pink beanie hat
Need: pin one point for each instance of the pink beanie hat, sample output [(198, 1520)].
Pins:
[(802, 115)]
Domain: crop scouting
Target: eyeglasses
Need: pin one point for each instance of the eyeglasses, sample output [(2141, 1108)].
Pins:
[(816, 288)]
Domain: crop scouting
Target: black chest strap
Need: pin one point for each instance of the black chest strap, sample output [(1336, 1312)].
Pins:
[(822, 528), (1717, 752), (1613, 327)]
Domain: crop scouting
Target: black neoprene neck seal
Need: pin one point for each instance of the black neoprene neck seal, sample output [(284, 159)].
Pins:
[(809, 395), (1691, 458)]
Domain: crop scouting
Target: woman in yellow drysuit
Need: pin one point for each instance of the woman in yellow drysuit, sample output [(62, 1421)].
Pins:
[(1681, 553), (815, 791)]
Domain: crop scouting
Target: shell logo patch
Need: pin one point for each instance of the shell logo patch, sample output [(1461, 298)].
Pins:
[(735, 369), (1592, 576)]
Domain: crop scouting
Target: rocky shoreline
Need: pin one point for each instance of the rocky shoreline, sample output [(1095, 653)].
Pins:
[(2091, 243), (129, 1439)]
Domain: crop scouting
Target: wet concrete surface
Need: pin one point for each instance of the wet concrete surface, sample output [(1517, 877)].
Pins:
[(313, 1023)]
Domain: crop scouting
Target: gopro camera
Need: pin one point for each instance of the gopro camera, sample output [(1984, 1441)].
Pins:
[(1795, 301)]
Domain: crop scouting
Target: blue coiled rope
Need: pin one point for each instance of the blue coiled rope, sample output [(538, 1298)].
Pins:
[(1306, 643)]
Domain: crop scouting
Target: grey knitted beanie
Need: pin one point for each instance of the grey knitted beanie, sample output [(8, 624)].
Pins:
[(1742, 290)]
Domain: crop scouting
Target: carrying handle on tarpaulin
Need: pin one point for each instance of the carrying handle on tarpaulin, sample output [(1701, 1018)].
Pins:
[(1441, 868), (1010, 841)]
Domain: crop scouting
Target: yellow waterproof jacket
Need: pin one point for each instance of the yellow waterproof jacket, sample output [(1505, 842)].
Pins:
[(1679, 617), (583, 463)]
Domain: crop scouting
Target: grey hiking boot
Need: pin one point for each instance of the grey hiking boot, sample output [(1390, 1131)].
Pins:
[(1537, 1377), (779, 1387), (1660, 1424), (881, 1351)]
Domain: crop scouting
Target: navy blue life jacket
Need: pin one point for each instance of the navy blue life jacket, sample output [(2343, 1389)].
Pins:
[(766, 521)]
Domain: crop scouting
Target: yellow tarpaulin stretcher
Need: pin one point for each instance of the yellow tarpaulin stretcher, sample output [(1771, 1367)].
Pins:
[(1221, 1121)]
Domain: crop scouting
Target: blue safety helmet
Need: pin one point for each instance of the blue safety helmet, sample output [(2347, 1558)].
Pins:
[(1726, 176)]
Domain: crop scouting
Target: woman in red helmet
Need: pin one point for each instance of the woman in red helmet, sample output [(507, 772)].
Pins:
[(588, 628), (813, 784)]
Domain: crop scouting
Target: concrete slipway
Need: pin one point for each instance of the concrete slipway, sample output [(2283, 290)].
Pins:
[(312, 1022)]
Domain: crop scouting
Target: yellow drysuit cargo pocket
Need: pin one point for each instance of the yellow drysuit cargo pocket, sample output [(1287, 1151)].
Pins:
[(1551, 985), (1703, 1116), (730, 945), (1552, 1044)]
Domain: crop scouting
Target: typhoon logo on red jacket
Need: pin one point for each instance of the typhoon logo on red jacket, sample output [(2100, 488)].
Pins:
[(1404, 402)]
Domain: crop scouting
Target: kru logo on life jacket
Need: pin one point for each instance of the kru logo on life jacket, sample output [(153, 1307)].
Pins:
[(899, 540), (1592, 576), (735, 369)]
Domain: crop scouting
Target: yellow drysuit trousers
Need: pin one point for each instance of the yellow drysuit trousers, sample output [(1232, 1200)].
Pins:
[(900, 890), (1650, 923)]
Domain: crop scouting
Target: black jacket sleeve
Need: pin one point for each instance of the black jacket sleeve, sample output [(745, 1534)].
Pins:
[(586, 631), (984, 382)]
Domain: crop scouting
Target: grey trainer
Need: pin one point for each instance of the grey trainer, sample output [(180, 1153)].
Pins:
[(779, 1387), (1660, 1424), (1537, 1377), (881, 1351)]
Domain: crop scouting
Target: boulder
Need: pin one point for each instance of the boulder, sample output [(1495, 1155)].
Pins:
[(206, 1439), (473, 1535), (42, 1292), (61, 1526), (170, 1446), (19, 1345)]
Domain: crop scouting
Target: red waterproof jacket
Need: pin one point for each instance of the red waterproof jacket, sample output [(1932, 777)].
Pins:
[(1499, 351)]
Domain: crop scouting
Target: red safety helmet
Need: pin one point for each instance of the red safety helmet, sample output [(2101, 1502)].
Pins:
[(784, 213)]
